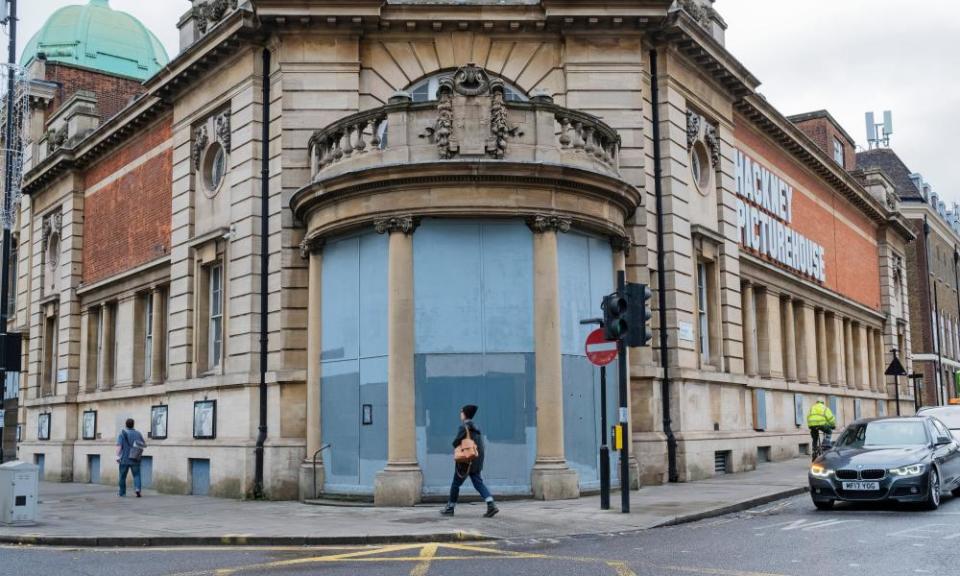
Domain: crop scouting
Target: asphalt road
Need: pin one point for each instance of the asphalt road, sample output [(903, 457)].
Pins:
[(786, 538)]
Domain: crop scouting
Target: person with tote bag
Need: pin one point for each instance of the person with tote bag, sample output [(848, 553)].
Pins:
[(468, 462)]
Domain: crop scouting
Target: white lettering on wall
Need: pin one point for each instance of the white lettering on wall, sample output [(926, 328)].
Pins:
[(764, 212)]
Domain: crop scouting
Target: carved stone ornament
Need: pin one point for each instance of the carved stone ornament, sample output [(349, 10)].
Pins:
[(621, 244), (200, 141), (472, 80), (892, 200), (404, 224), (51, 228), (309, 245), (693, 128), (699, 11), (222, 123), (713, 143), (208, 13), (541, 223), (56, 139)]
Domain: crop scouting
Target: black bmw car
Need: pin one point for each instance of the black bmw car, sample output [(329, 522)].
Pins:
[(912, 459)]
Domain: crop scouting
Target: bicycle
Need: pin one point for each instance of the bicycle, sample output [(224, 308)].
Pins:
[(821, 444)]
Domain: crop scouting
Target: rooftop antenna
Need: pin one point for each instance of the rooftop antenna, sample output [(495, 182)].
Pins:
[(878, 135)]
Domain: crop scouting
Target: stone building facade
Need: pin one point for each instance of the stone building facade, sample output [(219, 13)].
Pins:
[(452, 187), (933, 269)]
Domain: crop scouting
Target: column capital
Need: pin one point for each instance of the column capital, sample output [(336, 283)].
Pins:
[(541, 223), (621, 244), (309, 245), (404, 224)]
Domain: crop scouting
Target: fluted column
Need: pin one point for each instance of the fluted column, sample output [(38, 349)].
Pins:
[(158, 336), (823, 373), (749, 330), (551, 479), (789, 339), (400, 483), (310, 477)]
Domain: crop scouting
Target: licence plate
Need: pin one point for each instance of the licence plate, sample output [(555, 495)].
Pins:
[(861, 485)]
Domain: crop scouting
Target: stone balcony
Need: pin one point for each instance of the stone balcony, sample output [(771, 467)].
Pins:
[(470, 153), (465, 127)]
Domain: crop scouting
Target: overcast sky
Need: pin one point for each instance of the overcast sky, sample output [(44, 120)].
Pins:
[(848, 56)]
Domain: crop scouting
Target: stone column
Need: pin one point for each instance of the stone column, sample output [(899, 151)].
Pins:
[(848, 354), (107, 364), (400, 483), (872, 358), (881, 362), (158, 337), (769, 340), (836, 358), (551, 478), (862, 360), (749, 330), (789, 339), (807, 354), (310, 478), (823, 374)]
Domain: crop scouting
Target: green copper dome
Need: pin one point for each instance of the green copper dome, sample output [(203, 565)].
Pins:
[(99, 38)]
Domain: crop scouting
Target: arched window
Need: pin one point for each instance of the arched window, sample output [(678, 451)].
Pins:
[(425, 90)]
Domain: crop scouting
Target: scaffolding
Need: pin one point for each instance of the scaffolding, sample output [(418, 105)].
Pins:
[(13, 137)]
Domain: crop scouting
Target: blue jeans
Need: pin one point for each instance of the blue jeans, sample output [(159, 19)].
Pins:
[(458, 481), (132, 466)]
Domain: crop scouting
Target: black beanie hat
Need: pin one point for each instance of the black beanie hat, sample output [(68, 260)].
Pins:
[(469, 411)]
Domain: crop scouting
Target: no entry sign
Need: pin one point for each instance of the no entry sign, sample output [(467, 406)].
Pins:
[(600, 351)]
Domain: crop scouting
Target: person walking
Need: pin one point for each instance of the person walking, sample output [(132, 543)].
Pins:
[(820, 419), (130, 447), (468, 462)]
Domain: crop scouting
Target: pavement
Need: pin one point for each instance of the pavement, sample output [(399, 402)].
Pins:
[(93, 515)]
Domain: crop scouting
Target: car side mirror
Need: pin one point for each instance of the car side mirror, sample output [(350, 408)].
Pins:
[(942, 441)]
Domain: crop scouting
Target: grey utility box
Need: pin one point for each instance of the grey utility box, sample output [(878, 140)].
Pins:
[(19, 493)]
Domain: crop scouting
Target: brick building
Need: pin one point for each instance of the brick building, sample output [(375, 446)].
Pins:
[(449, 191), (933, 272)]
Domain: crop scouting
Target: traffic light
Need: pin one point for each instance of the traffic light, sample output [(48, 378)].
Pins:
[(638, 315), (615, 308)]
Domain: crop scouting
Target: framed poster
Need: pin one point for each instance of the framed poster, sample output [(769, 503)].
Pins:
[(158, 422), (43, 426), (205, 419), (90, 425)]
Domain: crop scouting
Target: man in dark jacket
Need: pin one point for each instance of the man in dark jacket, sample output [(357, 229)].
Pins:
[(472, 469)]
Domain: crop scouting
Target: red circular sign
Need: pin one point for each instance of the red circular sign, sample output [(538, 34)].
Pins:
[(600, 351)]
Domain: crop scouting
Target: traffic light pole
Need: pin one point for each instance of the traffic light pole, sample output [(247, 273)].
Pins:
[(625, 451), (604, 447)]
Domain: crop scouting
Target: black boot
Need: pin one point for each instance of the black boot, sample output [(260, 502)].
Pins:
[(447, 510), (491, 510)]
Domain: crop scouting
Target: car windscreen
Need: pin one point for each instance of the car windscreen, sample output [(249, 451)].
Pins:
[(885, 433), (949, 416)]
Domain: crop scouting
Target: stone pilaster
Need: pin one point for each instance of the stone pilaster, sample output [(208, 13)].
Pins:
[(768, 335), (807, 344), (871, 358), (551, 478), (158, 336), (823, 363), (850, 370), (749, 330), (400, 483), (311, 477), (789, 330), (836, 358)]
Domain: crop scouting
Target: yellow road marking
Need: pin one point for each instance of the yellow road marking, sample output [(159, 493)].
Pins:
[(621, 568), (427, 553)]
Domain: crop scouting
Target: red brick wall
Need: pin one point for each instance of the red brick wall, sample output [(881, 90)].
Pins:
[(127, 221), (113, 92), (852, 261), (822, 132)]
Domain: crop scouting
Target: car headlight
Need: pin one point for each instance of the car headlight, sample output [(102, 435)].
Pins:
[(912, 470), (820, 471)]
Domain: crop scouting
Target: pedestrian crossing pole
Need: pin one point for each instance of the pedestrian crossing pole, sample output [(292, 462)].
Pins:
[(624, 390)]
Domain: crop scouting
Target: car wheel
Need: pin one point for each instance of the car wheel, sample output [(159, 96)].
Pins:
[(933, 495), (823, 504)]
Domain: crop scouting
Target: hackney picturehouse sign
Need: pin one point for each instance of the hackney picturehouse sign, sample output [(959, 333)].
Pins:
[(764, 215)]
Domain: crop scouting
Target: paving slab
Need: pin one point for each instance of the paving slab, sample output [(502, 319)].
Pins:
[(93, 515)]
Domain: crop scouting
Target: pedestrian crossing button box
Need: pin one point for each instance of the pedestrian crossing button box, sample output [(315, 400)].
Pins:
[(19, 492)]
